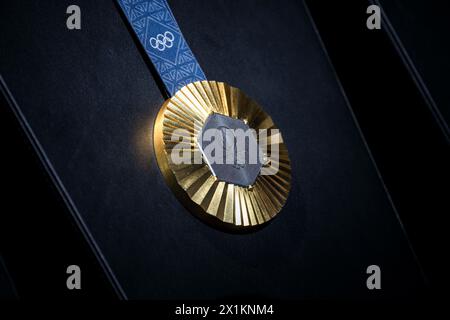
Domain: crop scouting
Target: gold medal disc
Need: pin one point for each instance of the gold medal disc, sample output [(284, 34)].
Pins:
[(219, 198)]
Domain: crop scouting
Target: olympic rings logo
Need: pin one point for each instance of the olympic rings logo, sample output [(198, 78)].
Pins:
[(162, 41)]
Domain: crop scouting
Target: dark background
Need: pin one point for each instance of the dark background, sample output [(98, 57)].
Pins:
[(396, 84), (52, 73)]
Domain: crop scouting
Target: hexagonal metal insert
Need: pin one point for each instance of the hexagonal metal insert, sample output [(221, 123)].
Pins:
[(230, 159)]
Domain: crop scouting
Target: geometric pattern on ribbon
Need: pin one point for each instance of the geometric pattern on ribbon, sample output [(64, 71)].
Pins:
[(161, 37)]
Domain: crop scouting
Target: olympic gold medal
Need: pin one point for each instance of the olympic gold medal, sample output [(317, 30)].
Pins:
[(240, 194)]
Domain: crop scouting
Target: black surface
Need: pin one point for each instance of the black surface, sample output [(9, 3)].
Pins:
[(91, 101), (423, 26), (405, 138), (38, 238), (7, 287)]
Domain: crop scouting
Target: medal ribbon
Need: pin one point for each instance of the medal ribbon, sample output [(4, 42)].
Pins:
[(159, 33)]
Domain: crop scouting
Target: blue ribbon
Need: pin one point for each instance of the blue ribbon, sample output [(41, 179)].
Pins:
[(161, 37)]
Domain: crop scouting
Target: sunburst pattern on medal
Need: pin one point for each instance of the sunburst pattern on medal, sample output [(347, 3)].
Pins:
[(231, 204)]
